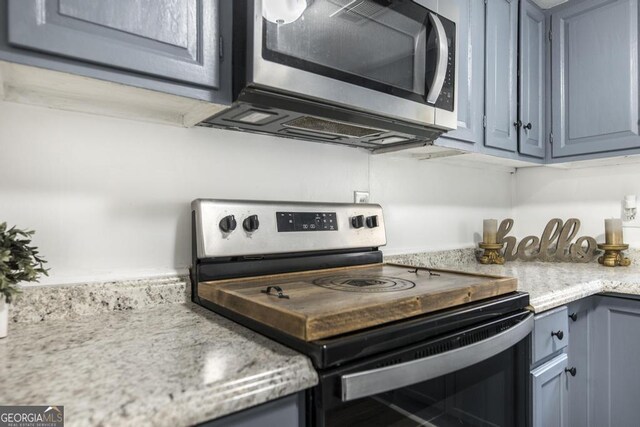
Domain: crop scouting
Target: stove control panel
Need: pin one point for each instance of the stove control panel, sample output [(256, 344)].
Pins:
[(225, 228), (306, 221)]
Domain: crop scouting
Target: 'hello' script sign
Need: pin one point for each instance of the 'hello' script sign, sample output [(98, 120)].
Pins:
[(554, 244)]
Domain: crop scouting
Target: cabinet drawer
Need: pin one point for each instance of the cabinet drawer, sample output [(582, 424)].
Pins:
[(550, 333)]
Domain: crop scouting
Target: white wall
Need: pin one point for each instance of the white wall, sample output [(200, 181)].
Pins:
[(430, 205), (589, 194), (109, 198)]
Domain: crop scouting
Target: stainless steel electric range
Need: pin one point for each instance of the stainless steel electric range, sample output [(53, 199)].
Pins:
[(392, 344)]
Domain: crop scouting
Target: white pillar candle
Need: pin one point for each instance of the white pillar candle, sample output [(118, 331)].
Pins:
[(489, 230), (613, 231)]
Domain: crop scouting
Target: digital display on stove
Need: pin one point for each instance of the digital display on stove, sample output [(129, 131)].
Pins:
[(306, 221)]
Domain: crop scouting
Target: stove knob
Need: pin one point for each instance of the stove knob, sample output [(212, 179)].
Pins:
[(372, 221), (357, 221), (227, 224), (251, 223)]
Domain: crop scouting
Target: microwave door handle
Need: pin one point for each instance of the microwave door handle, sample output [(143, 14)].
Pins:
[(442, 61), (375, 381)]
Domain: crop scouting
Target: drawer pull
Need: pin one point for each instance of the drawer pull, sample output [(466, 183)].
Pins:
[(573, 316), (558, 334), (572, 371)]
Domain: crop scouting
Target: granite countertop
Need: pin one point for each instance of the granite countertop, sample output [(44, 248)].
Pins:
[(139, 353), (166, 365), (549, 284)]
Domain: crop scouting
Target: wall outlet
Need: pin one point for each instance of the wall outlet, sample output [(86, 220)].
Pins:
[(629, 212), (360, 197)]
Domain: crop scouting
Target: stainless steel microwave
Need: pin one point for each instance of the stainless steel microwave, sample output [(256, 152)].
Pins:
[(378, 74)]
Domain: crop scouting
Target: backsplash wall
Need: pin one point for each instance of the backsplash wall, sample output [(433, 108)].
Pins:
[(430, 205), (109, 198), (590, 194)]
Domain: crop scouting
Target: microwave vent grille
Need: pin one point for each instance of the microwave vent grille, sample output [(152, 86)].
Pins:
[(329, 127), (357, 11)]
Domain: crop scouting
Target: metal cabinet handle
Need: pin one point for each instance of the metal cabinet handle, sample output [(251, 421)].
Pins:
[(442, 61), (379, 380), (527, 126), (517, 124), (573, 371), (558, 334), (573, 316)]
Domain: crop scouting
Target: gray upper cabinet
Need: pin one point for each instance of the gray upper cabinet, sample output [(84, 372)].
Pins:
[(488, 96), (172, 39), (470, 67), (595, 77), (532, 80), (501, 74)]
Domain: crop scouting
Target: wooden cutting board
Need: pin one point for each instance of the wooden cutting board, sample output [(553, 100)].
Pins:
[(325, 303)]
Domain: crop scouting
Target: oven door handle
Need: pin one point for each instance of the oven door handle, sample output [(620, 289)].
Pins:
[(442, 61), (374, 381)]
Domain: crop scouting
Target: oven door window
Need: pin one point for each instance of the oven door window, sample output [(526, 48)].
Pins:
[(384, 45), (490, 393)]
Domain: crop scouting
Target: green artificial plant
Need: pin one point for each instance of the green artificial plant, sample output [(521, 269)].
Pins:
[(19, 262)]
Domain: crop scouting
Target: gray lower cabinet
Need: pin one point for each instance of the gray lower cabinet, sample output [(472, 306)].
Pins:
[(470, 68), (549, 361), (614, 383), (594, 78), (549, 392), (604, 349), (161, 41), (284, 412), (579, 313)]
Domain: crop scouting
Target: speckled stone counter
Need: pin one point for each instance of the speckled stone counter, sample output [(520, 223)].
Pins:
[(169, 365), (138, 353), (549, 284), (39, 303)]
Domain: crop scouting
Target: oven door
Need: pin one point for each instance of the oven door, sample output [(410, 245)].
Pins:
[(389, 57), (475, 377)]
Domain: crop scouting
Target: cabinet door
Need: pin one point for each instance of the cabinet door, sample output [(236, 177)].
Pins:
[(549, 393), (615, 350), (532, 75), (284, 412), (580, 336), (500, 74), (172, 39), (595, 77), (470, 78)]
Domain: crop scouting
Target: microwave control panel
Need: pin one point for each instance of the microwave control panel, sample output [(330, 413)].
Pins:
[(447, 95)]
